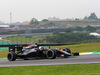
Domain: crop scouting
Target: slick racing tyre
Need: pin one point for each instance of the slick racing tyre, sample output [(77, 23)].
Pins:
[(67, 50), (11, 56), (51, 54)]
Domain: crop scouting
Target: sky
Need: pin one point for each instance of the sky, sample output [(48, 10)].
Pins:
[(25, 10)]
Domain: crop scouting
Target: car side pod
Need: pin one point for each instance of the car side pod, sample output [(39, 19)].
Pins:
[(75, 54)]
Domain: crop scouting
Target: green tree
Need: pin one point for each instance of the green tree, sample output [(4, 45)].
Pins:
[(68, 30), (85, 18), (78, 28), (56, 32), (34, 21), (70, 38), (90, 28), (93, 17), (45, 20)]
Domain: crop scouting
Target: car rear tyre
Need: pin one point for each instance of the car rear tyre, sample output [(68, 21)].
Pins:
[(11, 56), (51, 54)]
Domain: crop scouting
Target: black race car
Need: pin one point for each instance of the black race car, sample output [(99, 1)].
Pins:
[(36, 51)]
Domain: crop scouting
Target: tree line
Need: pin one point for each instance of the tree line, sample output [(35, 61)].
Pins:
[(79, 28), (69, 37)]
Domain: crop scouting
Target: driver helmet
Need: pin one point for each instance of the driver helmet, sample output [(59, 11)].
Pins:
[(41, 48)]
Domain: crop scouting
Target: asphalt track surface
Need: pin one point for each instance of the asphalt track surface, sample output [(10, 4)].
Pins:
[(83, 59)]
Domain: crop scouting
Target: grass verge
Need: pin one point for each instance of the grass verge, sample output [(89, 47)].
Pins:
[(3, 54), (82, 69)]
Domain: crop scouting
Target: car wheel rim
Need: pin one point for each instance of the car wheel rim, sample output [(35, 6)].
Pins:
[(50, 54)]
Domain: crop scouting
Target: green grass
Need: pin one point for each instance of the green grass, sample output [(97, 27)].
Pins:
[(82, 69), (3, 54)]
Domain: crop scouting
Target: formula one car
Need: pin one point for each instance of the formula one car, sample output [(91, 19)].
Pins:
[(36, 51)]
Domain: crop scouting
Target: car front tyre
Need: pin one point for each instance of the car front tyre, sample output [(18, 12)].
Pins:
[(67, 50)]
